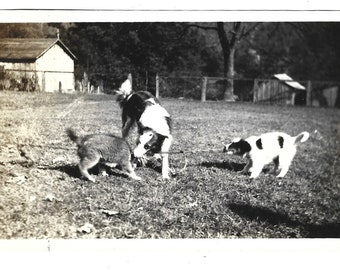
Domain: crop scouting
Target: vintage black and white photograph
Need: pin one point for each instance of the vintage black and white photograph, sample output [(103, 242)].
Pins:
[(225, 129), (170, 130)]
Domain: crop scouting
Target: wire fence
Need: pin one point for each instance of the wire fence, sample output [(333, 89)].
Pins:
[(263, 91), (267, 91)]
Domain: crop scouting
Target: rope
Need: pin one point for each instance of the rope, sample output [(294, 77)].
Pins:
[(192, 151)]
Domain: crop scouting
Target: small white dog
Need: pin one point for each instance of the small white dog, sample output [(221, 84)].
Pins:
[(261, 150)]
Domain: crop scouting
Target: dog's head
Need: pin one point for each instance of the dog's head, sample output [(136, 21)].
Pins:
[(148, 142), (238, 147)]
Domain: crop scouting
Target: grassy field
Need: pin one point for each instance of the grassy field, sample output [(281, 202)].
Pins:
[(42, 195)]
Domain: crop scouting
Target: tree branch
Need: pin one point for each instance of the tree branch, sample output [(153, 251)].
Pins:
[(201, 27), (186, 28), (251, 29)]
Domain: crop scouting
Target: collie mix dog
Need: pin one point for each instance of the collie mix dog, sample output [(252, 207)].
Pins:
[(277, 147), (102, 149), (153, 123)]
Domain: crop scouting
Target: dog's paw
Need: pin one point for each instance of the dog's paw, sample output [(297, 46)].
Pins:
[(92, 179), (253, 176), (165, 177), (243, 172)]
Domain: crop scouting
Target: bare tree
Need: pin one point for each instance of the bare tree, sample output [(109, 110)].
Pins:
[(229, 35)]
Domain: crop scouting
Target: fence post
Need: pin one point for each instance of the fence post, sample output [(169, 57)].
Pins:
[(309, 94), (204, 89), (130, 79), (157, 86), (255, 88), (43, 82)]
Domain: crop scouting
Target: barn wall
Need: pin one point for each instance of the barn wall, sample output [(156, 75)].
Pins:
[(18, 66), (15, 72), (56, 70), (274, 92)]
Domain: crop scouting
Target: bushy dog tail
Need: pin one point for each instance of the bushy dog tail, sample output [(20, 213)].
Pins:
[(124, 90), (73, 136), (302, 137)]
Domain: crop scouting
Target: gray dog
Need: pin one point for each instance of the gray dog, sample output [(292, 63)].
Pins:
[(104, 149)]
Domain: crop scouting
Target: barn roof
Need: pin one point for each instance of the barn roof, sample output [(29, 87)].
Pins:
[(23, 49), (289, 81)]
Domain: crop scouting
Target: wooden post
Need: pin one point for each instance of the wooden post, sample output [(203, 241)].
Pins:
[(255, 89), (157, 86), (309, 94), (43, 82), (130, 79), (204, 89)]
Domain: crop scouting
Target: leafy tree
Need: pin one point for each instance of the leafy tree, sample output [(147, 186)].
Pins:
[(108, 51), (307, 51)]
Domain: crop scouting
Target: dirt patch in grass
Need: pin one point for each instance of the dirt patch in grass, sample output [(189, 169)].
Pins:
[(43, 195)]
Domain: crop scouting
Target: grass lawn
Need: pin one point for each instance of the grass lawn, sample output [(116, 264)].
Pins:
[(42, 195)]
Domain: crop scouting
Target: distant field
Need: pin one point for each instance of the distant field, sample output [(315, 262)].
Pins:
[(42, 195)]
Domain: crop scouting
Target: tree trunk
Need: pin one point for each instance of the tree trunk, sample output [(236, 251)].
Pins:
[(228, 49), (229, 68)]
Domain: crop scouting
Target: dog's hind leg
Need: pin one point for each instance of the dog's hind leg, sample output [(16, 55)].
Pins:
[(86, 164), (284, 163), (128, 169)]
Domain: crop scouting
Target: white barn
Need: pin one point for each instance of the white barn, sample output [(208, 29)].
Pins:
[(48, 61)]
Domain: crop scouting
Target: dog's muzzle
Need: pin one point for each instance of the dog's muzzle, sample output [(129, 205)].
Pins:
[(228, 151)]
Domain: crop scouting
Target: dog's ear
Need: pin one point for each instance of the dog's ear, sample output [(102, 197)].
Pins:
[(245, 155)]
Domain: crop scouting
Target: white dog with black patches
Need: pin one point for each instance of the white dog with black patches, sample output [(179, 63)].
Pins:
[(153, 122), (277, 147)]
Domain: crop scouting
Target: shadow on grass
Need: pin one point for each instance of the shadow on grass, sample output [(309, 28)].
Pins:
[(73, 170), (70, 170), (331, 230), (231, 166)]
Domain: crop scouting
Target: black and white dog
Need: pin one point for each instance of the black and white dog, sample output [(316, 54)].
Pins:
[(153, 123), (260, 150)]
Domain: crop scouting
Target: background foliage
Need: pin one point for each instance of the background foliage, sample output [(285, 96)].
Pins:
[(108, 51)]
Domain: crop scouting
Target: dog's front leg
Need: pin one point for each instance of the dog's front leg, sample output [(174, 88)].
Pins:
[(247, 167), (128, 122), (256, 169), (165, 157)]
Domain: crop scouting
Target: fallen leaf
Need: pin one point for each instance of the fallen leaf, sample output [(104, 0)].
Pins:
[(110, 212), (87, 228), (58, 159), (50, 197)]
